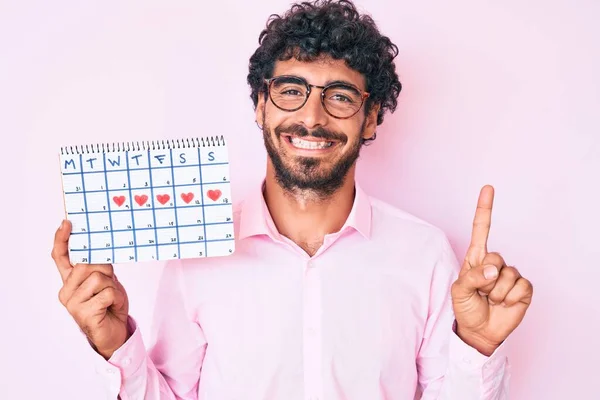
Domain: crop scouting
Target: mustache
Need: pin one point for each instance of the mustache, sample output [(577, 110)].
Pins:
[(320, 133)]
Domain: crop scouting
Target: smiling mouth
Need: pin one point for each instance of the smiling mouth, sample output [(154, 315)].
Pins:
[(309, 144)]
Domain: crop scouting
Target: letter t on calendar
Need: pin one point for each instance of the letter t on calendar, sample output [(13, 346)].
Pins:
[(148, 201)]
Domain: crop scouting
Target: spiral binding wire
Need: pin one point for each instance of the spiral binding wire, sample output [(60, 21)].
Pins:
[(165, 144)]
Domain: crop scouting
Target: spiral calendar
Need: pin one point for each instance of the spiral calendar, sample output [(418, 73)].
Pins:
[(148, 201)]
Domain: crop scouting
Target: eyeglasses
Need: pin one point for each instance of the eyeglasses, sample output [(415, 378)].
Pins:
[(340, 100)]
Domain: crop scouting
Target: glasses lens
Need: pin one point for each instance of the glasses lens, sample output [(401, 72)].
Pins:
[(288, 93), (342, 101)]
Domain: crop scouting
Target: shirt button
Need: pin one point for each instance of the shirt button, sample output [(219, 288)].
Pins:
[(110, 370), (127, 361), (466, 360)]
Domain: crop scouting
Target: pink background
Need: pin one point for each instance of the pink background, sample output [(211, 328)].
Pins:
[(505, 93)]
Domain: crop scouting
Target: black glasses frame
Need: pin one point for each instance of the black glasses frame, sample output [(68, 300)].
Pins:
[(363, 94)]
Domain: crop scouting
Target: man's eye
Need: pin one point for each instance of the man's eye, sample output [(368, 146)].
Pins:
[(341, 98), (291, 92)]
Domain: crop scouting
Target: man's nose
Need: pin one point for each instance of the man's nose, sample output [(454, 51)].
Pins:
[(313, 114)]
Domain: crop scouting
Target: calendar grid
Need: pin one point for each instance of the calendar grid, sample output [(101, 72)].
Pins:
[(153, 208), (87, 218), (112, 236), (148, 201), (163, 244), (173, 166), (147, 209), (158, 227), (135, 245), (175, 208), (156, 187), (202, 190)]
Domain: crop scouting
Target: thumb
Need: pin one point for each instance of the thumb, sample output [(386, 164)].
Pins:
[(479, 279), (60, 250)]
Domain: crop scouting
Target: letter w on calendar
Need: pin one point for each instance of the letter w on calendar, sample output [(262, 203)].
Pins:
[(148, 202)]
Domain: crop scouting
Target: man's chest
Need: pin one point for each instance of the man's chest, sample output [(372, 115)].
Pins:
[(361, 313)]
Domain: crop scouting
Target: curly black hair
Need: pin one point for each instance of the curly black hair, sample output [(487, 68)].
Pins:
[(335, 28)]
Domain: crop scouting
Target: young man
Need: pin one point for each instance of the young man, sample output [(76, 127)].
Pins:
[(331, 294)]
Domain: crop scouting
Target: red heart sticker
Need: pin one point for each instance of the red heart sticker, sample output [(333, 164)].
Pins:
[(214, 194), (141, 199), (163, 198), (187, 197), (119, 200)]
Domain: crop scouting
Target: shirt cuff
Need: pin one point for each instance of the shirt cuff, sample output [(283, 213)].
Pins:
[(490, 369), (125, 361)]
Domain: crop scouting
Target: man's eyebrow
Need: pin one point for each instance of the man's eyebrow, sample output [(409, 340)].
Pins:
[(342, 82), (329, 82)]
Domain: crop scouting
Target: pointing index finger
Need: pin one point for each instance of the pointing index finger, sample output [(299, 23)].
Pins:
[(60, 251), (483, 220)]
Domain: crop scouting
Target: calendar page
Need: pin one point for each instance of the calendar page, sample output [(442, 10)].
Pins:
[(148, 201)]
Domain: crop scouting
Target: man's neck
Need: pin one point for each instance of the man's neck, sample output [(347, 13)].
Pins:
[(304, 217)]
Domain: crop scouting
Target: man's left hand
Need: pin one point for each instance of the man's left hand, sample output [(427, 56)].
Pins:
[(489, 298)]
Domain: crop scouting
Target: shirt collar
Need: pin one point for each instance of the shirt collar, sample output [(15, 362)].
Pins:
[(255, 218)]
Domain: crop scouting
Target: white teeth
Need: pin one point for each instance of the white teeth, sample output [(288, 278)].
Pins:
[(306, 144)]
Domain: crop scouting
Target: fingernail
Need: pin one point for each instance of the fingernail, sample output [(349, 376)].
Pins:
[(62, 224), (490, 272)]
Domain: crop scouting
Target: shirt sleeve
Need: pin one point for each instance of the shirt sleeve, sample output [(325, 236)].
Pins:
[(448, 367), (169, 368)]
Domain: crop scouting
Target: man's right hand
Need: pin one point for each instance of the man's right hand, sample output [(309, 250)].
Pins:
[(93, 296)]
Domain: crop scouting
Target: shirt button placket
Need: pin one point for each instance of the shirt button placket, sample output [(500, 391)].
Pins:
[(312, 332)]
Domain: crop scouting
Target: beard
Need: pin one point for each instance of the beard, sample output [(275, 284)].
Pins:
[(307, 174)]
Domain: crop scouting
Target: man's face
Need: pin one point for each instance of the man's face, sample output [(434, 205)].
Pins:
[(308, 148)]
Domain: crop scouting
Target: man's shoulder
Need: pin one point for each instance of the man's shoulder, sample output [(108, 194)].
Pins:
[(387, 210), (387, 218), (405, 234)]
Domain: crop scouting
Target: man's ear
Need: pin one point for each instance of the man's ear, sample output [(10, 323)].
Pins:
[(371, 122), (260, 108)]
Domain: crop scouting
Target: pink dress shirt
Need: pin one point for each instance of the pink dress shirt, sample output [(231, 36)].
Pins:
[(368, 317)]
